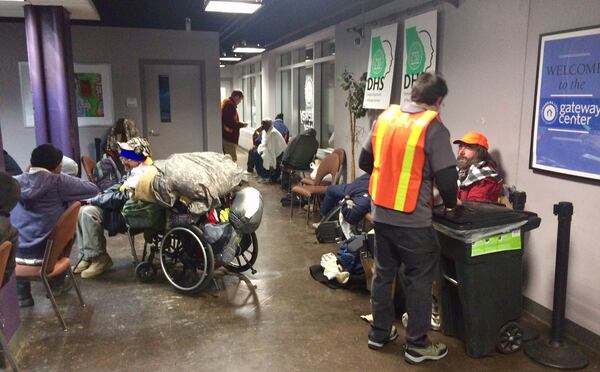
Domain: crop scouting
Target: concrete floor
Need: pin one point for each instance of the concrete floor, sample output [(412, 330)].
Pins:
[(289, 323)]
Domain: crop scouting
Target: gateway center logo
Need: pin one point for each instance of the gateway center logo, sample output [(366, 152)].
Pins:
[(549, 112)]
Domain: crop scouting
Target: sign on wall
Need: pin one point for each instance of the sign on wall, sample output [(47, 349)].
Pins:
[(566, 121), (93, 95), (420, 50), (380, 73)]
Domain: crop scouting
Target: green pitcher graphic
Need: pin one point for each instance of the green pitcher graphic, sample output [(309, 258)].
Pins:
[(415, 52)]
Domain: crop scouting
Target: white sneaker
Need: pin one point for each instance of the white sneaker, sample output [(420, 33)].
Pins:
[(248, 173)]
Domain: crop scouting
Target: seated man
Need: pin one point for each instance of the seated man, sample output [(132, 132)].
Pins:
[(9, 196), (45, 195), (478, 178), (104, 212), (281, 127), (267, 156), (356, 194), (257, 139)]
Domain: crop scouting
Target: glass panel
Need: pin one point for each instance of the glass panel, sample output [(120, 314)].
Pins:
[(256, 101), (327, 102), (309, 54), (286, 59), (247, 102), (286, 96), (164, 98), (328, 48), (306, 94)]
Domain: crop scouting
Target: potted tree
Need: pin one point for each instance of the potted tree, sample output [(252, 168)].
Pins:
[(355, 89)]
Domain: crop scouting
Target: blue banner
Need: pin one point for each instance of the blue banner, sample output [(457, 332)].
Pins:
[(567, 118)]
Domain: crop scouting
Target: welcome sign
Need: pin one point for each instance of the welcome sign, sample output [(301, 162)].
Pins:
[(420, 50), (380, 73), (566, 122)]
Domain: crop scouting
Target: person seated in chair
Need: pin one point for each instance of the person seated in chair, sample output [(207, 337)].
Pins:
[(104, 212), (355, 195), (9, 196), (281, 127), (45, 195), (478, 178), (266, 158)]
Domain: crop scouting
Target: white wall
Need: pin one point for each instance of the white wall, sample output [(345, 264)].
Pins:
[(122, 48), (488, 55)]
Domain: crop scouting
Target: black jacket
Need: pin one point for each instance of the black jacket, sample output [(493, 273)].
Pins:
[(301, 150), (112, 201)]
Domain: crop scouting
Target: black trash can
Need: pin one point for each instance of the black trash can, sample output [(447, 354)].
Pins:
[(481, 278)]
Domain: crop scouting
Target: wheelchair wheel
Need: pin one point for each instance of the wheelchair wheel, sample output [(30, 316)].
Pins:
[(245, 255), (145, 271), (187, 261)]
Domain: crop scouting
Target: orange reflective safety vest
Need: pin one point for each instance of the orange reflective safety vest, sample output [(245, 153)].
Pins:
[(398, 158)]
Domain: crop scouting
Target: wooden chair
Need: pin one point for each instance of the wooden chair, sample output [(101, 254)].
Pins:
[(88, 165), (342, 156), (5, 249), (56, 260), (329, 165)]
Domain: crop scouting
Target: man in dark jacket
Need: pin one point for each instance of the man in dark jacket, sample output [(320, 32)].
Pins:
[(45, 195), (104, 212), (10, 165), (230, 123), (301, 150), (10, 193)]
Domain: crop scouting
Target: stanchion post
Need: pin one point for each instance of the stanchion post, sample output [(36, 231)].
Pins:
[(555, 352)]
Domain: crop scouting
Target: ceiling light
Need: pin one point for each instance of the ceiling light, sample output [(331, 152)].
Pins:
[(230, 59), (243, 47), (232, 6), (221, 65)]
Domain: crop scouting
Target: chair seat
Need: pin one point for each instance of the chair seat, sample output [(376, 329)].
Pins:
[(312, 182), (34, 272), (308, 190)]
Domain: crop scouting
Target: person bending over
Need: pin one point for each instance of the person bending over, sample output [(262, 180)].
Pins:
[(104, 212)]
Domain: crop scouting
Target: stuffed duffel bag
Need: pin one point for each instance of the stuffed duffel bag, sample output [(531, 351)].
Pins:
[(246, 210), (141, 215)]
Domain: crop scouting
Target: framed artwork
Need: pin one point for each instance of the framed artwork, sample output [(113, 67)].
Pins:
[(93, 95), (566, 122)]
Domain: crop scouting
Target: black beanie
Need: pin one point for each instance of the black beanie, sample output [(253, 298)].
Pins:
[(46, 156)]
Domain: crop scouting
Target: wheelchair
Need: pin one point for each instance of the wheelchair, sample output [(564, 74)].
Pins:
[(186, 259)]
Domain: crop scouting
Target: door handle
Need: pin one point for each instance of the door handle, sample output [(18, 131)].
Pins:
[(154, 133)]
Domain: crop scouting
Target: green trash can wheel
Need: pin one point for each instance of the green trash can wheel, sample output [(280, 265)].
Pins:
[(510, 338)]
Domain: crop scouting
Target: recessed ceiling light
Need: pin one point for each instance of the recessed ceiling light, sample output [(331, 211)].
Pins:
[(230, 59), (243, 47), (221, 66), (232, 6)]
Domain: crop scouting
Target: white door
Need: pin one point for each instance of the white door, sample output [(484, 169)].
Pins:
[(173, 107)]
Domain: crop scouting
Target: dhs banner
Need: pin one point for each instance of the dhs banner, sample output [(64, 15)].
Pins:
[(380, 73), (566, 122), (420, 50)]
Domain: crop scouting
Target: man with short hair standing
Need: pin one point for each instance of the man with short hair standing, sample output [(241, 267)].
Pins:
[(231, 123), (407, 149), (478, 178)]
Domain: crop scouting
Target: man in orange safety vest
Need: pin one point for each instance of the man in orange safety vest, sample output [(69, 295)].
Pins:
[(408, 148)]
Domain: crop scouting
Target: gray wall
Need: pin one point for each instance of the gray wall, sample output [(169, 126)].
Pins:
[(488, 54), (122, 49)]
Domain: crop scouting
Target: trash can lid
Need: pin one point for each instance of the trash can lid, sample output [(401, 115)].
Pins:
[(476, 215)]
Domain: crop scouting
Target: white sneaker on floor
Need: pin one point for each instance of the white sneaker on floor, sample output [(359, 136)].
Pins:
[(248, 173)]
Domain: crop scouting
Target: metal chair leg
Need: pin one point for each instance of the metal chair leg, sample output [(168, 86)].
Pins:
[(132, 245), (53, 301), (308, 206), (291, 204), (7, 354), (72, 276)]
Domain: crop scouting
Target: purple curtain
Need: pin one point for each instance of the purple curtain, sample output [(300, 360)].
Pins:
[(52, 79)]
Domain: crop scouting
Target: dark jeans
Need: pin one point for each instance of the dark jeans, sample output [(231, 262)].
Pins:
[(418, 249), (333, 195), (255, 162)]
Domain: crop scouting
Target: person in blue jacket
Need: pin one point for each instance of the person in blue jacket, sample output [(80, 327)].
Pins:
[(356, 194), (45, 195)]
